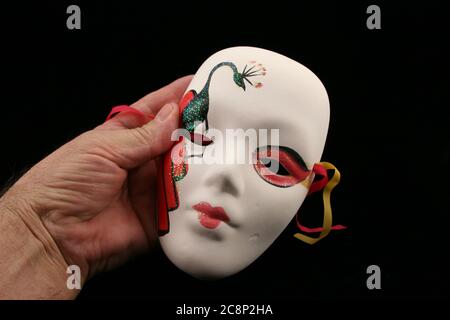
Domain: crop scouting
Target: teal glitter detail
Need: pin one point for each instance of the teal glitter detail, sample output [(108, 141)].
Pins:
[(197, 109)]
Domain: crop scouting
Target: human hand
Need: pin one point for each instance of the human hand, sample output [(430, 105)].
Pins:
[(96, 195)]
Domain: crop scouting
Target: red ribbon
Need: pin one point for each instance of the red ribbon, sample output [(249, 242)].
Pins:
[(127, 109), (317, 185)]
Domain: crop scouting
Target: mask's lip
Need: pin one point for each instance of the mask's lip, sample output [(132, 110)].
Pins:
[(217, 213)]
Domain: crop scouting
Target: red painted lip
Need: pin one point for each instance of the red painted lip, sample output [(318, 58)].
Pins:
[(210, 217)]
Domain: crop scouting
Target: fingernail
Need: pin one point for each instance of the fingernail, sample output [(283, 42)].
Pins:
[(164, 113)]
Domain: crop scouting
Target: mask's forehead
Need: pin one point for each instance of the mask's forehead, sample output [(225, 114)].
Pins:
[(291, 99)]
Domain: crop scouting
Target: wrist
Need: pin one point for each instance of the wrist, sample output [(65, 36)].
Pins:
[(31, 264)]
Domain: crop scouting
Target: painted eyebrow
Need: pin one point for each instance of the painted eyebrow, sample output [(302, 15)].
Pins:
[(291, 152), (296, 156)]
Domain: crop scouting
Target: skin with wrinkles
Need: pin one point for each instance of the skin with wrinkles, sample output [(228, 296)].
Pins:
[(89, 203)]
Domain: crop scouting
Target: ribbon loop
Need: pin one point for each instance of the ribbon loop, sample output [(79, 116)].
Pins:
[(328, 186)]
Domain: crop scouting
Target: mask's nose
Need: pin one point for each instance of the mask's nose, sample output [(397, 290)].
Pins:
[(225, 178)]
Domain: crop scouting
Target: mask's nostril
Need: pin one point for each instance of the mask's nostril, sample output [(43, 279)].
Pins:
[(229, 187), (225, 179), (224, 182)]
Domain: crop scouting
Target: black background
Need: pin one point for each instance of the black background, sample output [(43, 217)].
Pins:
[(388, 134)]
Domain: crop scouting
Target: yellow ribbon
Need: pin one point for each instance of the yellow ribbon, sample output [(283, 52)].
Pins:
[(327, 216)]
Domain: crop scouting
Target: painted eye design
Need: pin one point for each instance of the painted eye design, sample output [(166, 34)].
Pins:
[(280, 166)]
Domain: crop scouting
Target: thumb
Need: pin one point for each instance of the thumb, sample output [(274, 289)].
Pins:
[(130, 148)]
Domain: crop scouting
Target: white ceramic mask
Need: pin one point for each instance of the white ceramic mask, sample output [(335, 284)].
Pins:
[(223, 216)]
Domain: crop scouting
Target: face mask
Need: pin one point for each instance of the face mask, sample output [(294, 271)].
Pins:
[(255, 124)]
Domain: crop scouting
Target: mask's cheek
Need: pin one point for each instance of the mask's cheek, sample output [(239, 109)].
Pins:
[(190, 186), (270, 209)]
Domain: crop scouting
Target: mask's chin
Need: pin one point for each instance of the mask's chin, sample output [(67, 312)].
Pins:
[(200, 267), (207, 274)]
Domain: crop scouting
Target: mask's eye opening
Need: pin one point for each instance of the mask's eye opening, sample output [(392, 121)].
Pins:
[(280, 166), (274, 166)]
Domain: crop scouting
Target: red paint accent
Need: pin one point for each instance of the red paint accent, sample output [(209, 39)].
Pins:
[(177, 157), (200, 139), (186, 99)]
